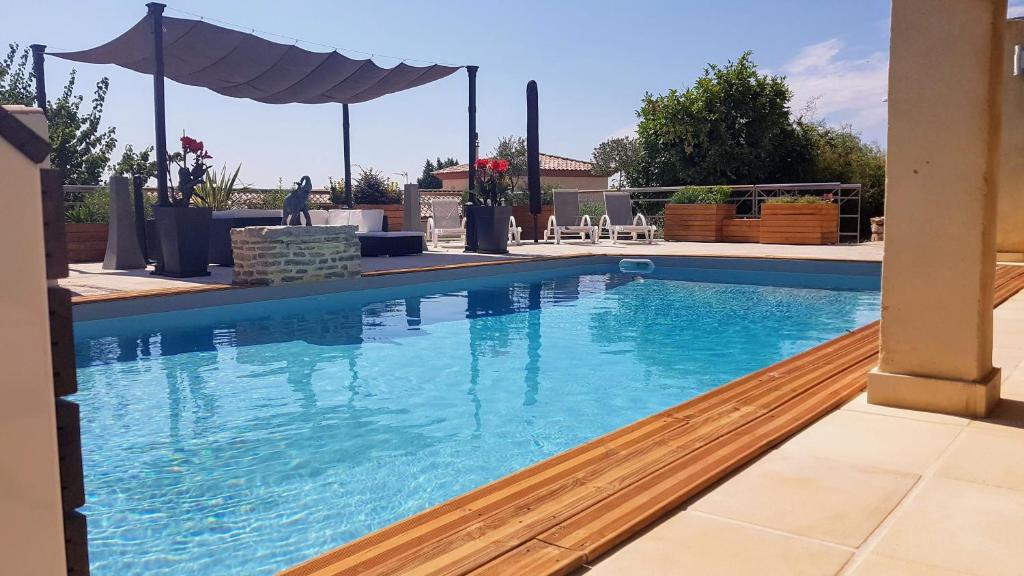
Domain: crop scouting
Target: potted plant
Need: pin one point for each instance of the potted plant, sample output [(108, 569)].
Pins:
[(488, 215), (800, 220), (696, 213), (184, 230)]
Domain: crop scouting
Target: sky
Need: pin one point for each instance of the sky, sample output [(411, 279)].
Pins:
[(593, 62)]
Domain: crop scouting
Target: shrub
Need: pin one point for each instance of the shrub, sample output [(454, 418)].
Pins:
[(592, 209), (373, 188), (798, 200), (93, 208), (701, 195), (336, 191)]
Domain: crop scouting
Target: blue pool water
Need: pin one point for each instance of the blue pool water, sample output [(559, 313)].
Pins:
[(243, 439)]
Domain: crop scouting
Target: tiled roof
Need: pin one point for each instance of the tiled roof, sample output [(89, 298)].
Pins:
[(547, 162)]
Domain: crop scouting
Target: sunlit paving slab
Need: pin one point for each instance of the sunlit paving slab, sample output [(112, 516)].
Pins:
[(892, 491)]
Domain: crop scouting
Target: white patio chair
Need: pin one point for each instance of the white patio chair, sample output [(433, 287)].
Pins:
[(444, 221), (515, 233), (618, 219), (566, 219)]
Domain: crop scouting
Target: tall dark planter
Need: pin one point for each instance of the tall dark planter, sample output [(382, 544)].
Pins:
[(184, 234), (491, 223)]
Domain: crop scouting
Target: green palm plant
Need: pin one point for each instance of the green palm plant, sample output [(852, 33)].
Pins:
[(217, 187)]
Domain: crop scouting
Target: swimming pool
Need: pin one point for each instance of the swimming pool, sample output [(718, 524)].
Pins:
[(246, 438)]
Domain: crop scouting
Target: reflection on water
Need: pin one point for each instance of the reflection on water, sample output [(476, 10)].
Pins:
[(257, 438)]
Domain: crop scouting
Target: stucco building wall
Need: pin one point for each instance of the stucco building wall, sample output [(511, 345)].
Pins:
[(31, 524)]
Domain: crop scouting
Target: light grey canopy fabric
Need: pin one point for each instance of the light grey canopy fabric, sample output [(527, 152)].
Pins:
[(243, 65)]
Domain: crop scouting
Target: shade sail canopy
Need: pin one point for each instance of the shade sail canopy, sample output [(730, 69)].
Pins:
[(243, 65)]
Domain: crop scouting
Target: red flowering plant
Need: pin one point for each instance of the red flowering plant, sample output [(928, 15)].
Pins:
[(191, 171), (492, 180)]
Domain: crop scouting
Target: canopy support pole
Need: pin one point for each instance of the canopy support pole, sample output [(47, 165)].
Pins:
[(156, 15), (40, 73), (533, 154), (348, 154), (471, 70), (471, 242)]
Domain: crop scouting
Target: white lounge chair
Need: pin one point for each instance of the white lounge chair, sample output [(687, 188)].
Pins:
[(515, 232), (566, 219), (444, 221), (618, 219)]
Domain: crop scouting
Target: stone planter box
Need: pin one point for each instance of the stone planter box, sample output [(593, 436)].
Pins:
[(696, 222), (393, 212), (525, 220), (86, 242), (799, 223), (741, 230)]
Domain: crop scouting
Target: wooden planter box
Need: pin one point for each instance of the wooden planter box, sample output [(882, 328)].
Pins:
[(799, 223), (696, 222), (394, 213), (86, 242), (525, 220), (741, 230)]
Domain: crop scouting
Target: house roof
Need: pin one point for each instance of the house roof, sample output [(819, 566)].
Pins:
[(550, 165)]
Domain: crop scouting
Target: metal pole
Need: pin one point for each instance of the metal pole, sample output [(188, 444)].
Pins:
[(40, 73), (471, 70), (348, 154), (156, 15), (140, 214), (533, 154), (471, 241)]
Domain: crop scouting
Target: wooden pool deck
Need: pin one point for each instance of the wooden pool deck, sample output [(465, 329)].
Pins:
[(564, 512)]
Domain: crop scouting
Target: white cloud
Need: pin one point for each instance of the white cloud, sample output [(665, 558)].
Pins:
[(1015, 10), (841, 89)]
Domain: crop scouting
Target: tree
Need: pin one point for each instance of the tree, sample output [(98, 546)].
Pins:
[(16, 78), (372, 187), (617, 156), (838, 154), (136, 163), (427, 180), (513, 150), (732, 126), (78, 147)]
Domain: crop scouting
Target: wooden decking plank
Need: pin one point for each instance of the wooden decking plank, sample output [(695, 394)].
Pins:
[(618, 517), (534, 557)]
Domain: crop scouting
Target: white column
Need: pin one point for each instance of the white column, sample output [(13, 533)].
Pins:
[(945, 82)]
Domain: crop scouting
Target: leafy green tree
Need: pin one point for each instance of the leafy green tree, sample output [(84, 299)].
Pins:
[(513, 150), (136, 163), (16, 78), (838, 154), (617, 156), (732, 126), (78, 146), (427, 181)]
